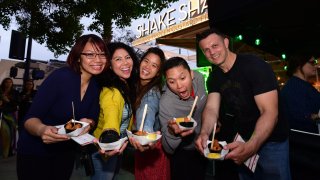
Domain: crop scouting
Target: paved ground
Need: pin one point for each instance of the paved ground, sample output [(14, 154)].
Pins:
[(8, 171)]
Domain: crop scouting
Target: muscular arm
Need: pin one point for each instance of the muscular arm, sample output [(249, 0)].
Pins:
[(210, 115), (268, 107)]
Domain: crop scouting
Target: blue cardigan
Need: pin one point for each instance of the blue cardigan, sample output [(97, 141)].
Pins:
[(53, 106), (299, 99)]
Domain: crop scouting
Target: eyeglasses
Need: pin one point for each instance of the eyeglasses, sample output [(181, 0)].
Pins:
[(93, 55), (313, 62)]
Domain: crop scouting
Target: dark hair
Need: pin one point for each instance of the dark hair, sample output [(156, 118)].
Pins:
[(2, 83), (297, 61), (25, 84), (175, 62), (76, 50), (157, 81), (109, 79), (12, 95), (206, 33)]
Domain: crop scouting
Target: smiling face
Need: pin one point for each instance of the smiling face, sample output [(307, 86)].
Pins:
[(92, 66), (149, 67), (179, 80), (121, 63), (8, 83), (215, 48)]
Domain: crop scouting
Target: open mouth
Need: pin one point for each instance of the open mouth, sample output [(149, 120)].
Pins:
[(184, 94)]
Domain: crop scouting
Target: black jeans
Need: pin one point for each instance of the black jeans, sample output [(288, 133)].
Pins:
[(188, 165)]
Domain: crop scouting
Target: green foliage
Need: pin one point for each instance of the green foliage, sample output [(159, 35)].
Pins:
[(57, 22)]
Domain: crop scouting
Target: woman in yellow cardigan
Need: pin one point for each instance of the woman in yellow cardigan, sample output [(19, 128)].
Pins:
[(116, 100)]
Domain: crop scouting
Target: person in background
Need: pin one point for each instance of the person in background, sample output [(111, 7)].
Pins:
[(116, 106), (150, 160), (9, 99), (243, 95), (70, 92), (299, 99), (25, 100), (183, 85)]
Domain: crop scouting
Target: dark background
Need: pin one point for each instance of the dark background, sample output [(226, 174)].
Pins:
[(282, 25)]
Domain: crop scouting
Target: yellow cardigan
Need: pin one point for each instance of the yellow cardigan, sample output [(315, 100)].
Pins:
[(111, 108)]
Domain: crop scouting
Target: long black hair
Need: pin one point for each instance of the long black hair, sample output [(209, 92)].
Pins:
[(157, 81), (109, 79)]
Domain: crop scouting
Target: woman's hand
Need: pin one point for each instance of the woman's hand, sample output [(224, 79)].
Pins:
[(140, 147), (175, 130), (88, 128), (107, 154), (49, 134)]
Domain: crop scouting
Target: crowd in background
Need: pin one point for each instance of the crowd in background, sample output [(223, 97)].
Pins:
[(13, 106)]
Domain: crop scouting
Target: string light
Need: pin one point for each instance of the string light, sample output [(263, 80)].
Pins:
[(239, 37), (257, 42)]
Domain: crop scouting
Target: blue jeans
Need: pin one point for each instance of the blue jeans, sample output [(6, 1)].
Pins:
[(104, 169), (273, 163)]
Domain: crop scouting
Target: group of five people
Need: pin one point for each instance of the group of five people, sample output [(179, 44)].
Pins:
[(108, 87)]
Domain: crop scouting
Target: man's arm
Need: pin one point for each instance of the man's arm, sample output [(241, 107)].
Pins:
[(268, 107), (210, 116)]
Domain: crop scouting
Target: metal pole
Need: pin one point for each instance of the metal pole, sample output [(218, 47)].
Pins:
[(28, 59)]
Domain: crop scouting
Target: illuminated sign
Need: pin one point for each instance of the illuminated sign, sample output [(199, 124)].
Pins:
[(172, 29), (164, 21)]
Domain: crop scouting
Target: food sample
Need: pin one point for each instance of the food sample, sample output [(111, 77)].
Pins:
[(187, 124), (182, 119), (216, 147), (151, 136), (214, 155), (140, 133), (109, 136), (71, 126)]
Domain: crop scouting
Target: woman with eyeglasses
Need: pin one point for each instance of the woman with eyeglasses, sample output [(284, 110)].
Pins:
[(116, 107), (300, 100), (70, 92)]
